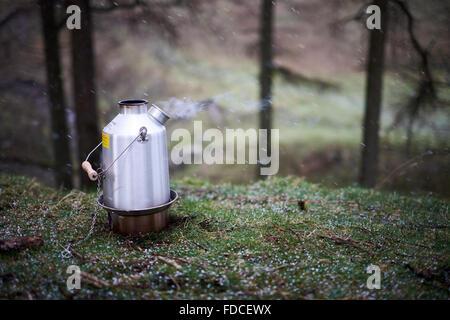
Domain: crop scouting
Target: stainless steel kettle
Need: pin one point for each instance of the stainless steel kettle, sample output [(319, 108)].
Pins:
[(135, 169), (140, 177)]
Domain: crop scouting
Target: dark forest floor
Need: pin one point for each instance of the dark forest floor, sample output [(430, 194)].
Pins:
[(283, 238)]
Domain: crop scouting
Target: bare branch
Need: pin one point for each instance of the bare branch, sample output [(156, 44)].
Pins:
[(16, 13), (355, 17), (137, 3), (425, 94), (114, 6), (423, 53)]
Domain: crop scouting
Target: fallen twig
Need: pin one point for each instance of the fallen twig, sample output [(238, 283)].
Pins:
[(77, 254), (97, 282), (181, 260), (425, 273), (83, 258), (175, 282), (66, 293), (20, 243), (349, 242), (169, 261), (279, 267), (442, 277), (64, 198), (199, 245), (296, 232)]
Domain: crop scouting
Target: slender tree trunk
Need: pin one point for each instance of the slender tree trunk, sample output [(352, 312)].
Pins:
[(374, 86), (409, 135), (83, 72), (393, 37), (266, 71), (60, 140)]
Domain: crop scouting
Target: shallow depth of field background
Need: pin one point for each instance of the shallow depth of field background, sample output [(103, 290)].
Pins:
[(211, 53)]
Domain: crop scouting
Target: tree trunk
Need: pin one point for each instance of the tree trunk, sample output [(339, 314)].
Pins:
[(83, 73), (266, 71), (374, 86), (59, 135)]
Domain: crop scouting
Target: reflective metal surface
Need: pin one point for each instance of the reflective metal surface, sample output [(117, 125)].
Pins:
[(138, 225), (158, 114), (139, 179), (140, 212), (139, 222)]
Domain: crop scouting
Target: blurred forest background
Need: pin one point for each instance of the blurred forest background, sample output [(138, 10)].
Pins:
[(221, 61)]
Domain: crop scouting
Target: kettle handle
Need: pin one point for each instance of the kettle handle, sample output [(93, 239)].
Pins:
[(92, 174)]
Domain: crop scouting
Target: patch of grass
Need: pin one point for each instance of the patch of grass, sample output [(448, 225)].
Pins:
[(232, 242)]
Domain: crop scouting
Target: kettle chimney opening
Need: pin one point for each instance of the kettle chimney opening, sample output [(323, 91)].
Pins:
[(158, 114), (133, 102), (133, 106)]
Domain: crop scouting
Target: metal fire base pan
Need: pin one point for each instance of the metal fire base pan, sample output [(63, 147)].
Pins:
[(139, 222)]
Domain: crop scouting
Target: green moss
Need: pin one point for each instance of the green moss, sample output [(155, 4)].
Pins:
[(233, 241)]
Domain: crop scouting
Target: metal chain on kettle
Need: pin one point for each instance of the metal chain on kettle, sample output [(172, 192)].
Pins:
[(66, 252)]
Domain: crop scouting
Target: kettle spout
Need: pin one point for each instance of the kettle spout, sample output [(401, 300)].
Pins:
[(158, 114)]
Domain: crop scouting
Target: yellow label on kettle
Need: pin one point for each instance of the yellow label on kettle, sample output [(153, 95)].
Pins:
[(105, 140)]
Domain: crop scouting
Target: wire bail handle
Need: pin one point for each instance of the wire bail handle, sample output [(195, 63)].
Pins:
[(93, 174)]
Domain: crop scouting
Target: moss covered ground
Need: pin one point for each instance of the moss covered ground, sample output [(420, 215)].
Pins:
[(281, 238)]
